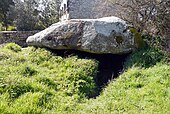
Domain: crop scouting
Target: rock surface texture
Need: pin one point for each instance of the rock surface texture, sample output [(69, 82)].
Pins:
[(104, 35)]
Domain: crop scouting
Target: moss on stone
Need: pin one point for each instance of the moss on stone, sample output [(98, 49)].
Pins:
[(137, 38), (68, 35), (119, 39)]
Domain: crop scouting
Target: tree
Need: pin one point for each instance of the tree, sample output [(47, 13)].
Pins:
[(151, 17), (26, 14), (49, 14), (140, 13), (4, 9), (35, 14)]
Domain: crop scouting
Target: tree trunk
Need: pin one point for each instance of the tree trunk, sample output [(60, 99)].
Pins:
[(5, 21)]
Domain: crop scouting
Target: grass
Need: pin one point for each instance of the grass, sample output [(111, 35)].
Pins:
[(146, 57), (10, 28), (136, 91), (143, 88), (36, 81), (33, 80)]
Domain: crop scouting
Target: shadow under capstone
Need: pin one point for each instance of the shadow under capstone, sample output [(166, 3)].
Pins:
[(110, 65)]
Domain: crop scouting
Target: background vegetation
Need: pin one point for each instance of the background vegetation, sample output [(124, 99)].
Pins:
[(151, 18), (4, 9), (27, 15)]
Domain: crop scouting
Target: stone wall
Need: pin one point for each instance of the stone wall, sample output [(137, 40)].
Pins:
[(18, 37)]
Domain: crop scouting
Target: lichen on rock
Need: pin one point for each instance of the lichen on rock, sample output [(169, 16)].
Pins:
[(103, 35)]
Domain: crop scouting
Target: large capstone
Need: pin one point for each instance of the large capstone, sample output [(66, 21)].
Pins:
[(104, 35)]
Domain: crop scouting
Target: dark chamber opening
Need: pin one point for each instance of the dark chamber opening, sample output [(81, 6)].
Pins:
[(110, 65)]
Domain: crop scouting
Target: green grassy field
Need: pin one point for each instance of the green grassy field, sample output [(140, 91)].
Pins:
[(35, 81)]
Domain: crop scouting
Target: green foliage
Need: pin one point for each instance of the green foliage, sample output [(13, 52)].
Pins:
[(1, 27), (156, 41), (25, 14), (28, 71), (142, 88), (4, 9), (150, 17), (33, 80), (136, 91), (35, 14), (11, 28), (14, 47), (137, 38), (146, 57)]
